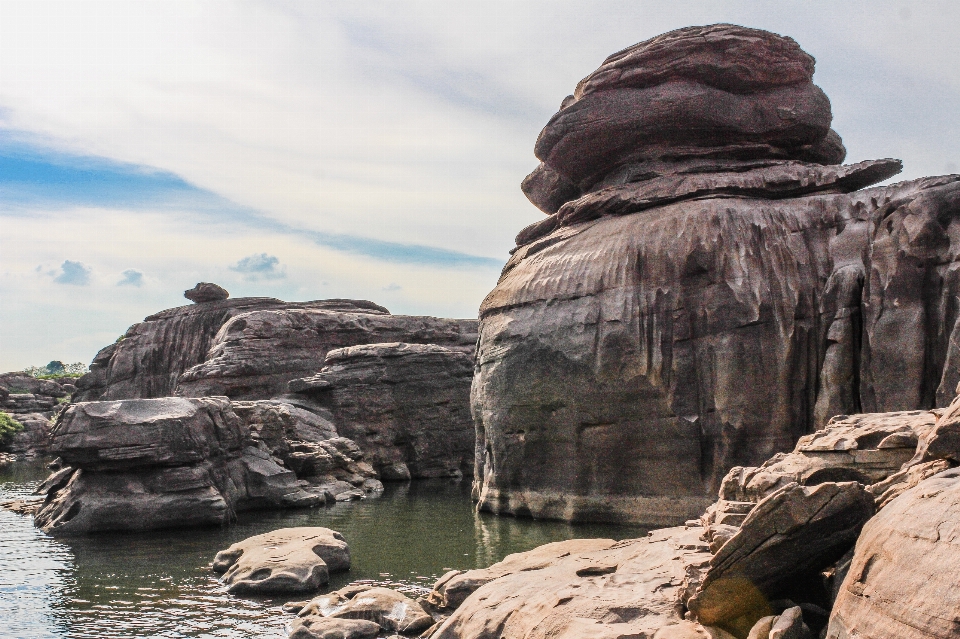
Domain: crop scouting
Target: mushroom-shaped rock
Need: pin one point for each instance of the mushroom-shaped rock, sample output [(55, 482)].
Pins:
[(391, 610), (286, 560), (206, 292)]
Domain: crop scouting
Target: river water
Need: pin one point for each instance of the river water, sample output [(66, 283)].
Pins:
[(159, 584)]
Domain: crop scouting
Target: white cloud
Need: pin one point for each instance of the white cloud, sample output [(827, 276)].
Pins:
[(260, 265)]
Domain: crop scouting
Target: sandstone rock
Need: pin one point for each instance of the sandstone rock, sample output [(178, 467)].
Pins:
[(390, 610), (614, 345), (548, 190), (587, 588), (34, 439), (254, 356), (330, 628), (788, 625), (901, 581), (206, 292), (289, 560), (150, 358), (898, 483), (401, 403), (866, 448), (795, 532), (160, 463)]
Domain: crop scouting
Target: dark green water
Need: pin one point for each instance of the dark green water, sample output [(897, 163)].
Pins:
[(159, 584)]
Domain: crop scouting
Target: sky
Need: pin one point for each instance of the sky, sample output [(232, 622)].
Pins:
[(370, 150)]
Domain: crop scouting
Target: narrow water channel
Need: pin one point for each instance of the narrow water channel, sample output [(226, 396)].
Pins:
[(159, 584)]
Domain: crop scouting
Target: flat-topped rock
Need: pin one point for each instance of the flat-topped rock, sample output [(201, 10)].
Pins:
[(289, 560)]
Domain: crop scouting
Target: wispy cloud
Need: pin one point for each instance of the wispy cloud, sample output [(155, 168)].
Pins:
[(131, 277), (73, 273), (259, 266)]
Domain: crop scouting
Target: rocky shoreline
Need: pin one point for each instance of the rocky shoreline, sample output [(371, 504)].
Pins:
[(717, 328)]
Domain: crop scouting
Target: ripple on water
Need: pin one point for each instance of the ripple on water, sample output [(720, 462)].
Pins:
[(159, 584)]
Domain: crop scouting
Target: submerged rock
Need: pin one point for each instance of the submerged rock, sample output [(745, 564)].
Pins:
[(289, 560)]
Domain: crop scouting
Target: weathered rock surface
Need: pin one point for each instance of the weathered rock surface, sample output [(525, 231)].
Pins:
[(150, 358), (160, 463), (289, 560), (902, 579), (403, 404), (392, 611), (316, 627), (715, 287), (254, 356), (32, 402), (206, 292), (789, 538)]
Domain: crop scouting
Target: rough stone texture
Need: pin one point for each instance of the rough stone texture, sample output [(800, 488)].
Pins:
[(34, 439), (206, 292), (151, 356), (627, 363), (256, 355), (401, 403), (289, 560), (160, 463), (32, 402), (590, 588), (902, 581), (794, 533), (390, 610), (328, 628), (866, 448)]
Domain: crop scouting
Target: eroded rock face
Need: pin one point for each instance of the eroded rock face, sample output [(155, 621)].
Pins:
[(254, 356), (405, 405), (289, 560), (160, 463), (901, 582), (150, 358), (710, 292)]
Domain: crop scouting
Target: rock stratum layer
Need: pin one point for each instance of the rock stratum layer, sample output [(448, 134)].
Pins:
[(249, 348), (707, 287)]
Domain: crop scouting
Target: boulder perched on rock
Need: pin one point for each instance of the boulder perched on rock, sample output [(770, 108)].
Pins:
[(709, 286), (405, 405), (160, 463), (206, 292), (902, 581), (289, 560)]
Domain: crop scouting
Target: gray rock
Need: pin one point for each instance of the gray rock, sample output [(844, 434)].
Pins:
[(402, 404), (328, 628), (390, 610), (289, 560), (206, 292)]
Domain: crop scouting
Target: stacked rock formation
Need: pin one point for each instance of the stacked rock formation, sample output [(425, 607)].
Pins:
[(406, 405), (173, 462), (709, 286), (774, 557)]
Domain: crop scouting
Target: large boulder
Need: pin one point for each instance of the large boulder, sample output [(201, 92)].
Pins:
[(715, 288), (206, 292), (902, 580), (289, 560), (392, 611), (160, 463), (405, 405)]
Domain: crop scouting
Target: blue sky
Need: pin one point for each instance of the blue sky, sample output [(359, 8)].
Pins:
[(373, 150)]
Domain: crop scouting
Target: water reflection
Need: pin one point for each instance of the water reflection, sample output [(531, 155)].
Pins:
[(159, 584)]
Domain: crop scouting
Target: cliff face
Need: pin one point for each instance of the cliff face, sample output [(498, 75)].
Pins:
[(693, 304)]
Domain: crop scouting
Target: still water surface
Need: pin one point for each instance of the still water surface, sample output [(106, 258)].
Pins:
[(160, 585)]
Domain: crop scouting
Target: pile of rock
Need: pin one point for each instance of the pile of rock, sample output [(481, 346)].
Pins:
[(176, 462), (32, 402), (708, 286), (793, 548)]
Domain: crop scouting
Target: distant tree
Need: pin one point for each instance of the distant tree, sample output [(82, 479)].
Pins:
[(55, 367), (8, 427)]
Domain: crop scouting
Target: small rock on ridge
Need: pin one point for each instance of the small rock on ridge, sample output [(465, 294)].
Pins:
[(206, 292)]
